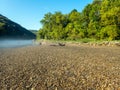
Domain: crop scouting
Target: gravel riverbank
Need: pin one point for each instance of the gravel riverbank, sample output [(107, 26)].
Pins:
[(60, 68)]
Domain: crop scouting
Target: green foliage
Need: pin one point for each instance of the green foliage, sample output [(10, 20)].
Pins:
[(109, 32), (99, 20), (2, 24), (86, 40), (2, 28)]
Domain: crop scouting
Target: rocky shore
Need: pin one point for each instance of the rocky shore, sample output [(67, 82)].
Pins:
[(53, 67)]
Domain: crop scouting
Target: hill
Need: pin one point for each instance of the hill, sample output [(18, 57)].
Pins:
[(10, 29), (34, 31)]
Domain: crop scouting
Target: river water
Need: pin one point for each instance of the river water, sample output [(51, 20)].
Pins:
[(15, 43)]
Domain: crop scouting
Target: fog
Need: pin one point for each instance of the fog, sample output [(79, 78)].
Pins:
[(15, 43)]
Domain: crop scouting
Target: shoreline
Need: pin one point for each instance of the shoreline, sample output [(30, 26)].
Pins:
[(75, 43)]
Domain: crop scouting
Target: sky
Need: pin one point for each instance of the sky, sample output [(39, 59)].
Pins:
[(28, 13)]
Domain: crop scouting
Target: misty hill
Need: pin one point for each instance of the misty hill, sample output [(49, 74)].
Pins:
[(34, 31), (10, 29)]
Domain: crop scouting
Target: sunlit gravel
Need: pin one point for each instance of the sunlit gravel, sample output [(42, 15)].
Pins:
[(60, 68)]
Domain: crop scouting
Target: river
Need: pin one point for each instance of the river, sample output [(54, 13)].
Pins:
[(15, 43)]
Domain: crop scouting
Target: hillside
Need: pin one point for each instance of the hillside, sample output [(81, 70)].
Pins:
[(34, 31), (10, 29)]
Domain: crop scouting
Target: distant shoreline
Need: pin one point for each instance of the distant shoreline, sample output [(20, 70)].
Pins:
[(79, 43)]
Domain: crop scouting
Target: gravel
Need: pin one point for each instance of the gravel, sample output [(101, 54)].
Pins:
[(60, 68)]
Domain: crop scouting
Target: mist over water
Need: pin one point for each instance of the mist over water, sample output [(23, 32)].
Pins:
[(15, 43)]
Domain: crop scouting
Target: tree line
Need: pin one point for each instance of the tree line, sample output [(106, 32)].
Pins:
[(98, 20)]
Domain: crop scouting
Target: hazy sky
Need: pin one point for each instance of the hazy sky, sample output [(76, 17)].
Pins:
[(28, 13)]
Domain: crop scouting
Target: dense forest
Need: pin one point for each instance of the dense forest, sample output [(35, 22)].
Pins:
[(99, 20), (10, 29)]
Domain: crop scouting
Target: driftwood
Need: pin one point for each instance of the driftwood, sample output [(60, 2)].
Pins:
[(61, 44)]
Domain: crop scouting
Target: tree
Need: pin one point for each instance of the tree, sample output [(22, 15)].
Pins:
[(110, 19), (2, 28), (94, 16), (98, 20)]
